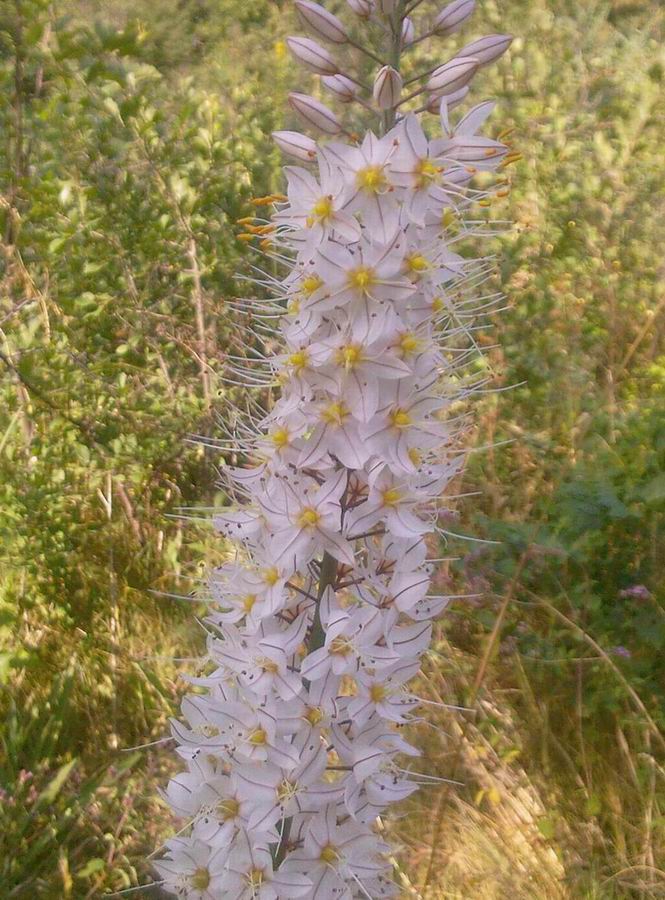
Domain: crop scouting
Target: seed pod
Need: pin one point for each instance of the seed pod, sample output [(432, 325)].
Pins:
[(362, 8), (295, 144), (451, 19), (408, 32), (453, 75), (488, 49), (451, 100), (342, 87), (315, 113), (387, 88), (323, 23), (312, 55)]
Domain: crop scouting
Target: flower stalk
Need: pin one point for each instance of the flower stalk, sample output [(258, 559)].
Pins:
[(357, 345)]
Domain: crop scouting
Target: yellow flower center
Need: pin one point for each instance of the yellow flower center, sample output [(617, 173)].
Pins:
[(208, 731), (334, 413), (314, 715), (417, 263), (414, 456), (293, 307), (362, 278), (339, 647), (391, 497), (270, 576), (437, 304), (286, 790), (200, 879), (248, 602), (280, 438), (399, 418), (329, 854), (228, 809), (258, 737), (299, 360), (409, 343), (377, 693), (448, 218), (323, 208), (309, 517), (310, 284), (372, 179), (349, 356), (268, 665), (255, 878), (425, 171)]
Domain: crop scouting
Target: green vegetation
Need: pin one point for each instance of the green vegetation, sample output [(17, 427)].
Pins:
[(134, 135)]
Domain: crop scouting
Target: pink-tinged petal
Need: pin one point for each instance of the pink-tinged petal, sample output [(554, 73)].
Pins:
[(346, 226)]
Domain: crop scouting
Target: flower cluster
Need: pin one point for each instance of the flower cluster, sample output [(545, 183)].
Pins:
[(293, 741)]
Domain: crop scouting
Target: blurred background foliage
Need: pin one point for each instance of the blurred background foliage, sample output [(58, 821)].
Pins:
[(133, 135)]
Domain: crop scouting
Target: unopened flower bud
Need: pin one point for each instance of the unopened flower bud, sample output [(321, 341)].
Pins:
[(362, 8), (342, 87), (451, 100), (315, 113), (453, 75), (488, 49), (295, 144), (451, 19), (323, 23), (387, 7), (387, 88), (312, 55), (408, 32)]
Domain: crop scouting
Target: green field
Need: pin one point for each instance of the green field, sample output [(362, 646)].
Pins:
[(133, 136)]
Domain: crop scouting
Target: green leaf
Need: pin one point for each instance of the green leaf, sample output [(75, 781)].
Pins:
[(654, 490), (56, 784), (91, 868)]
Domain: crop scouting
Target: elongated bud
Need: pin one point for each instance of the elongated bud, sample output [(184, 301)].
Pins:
[(312, 55), (453, 75), (323, 23), (453, 17), (342, 87), (488, 49), (295, 144), (387, 88), (450, 100), (387, 7), (315, 113), (362, 8), (408, 32)]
